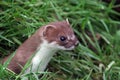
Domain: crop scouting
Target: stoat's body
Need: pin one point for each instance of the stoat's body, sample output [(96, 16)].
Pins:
[(43, 44)]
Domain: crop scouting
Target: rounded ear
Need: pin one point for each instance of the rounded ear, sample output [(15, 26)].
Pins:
[(48, 29)]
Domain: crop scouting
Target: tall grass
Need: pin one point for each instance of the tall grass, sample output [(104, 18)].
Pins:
[(19, 19)]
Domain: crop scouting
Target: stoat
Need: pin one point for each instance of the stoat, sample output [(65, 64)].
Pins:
[(46, 41)]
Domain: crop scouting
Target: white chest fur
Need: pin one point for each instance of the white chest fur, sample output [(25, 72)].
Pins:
[(42, 57)]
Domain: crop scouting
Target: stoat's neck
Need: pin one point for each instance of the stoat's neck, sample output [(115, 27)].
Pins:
[(42, 57)]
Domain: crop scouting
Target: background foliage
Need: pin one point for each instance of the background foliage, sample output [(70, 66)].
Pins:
[(95, 23)]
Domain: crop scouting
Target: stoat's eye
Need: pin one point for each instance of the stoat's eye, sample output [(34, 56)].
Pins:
[(63, 38)]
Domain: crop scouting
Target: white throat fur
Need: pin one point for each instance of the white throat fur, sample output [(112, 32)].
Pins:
[(43, 55)]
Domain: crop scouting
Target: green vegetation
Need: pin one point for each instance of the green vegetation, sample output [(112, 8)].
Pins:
[(96, 58)]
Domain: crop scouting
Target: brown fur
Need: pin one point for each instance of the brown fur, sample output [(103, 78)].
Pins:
[(23, 53)]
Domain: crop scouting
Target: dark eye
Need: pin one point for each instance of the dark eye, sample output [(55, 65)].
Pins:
[(62, 38)]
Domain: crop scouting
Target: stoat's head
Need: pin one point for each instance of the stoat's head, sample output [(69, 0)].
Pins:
[(60, 35)]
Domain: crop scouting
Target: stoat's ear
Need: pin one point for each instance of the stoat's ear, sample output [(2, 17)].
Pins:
[(48, 29)]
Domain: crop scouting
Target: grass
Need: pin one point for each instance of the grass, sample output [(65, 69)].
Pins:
[(94, 59)]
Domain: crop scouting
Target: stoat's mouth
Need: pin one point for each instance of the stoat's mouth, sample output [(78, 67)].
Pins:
[(70, 48), (56, 46)]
